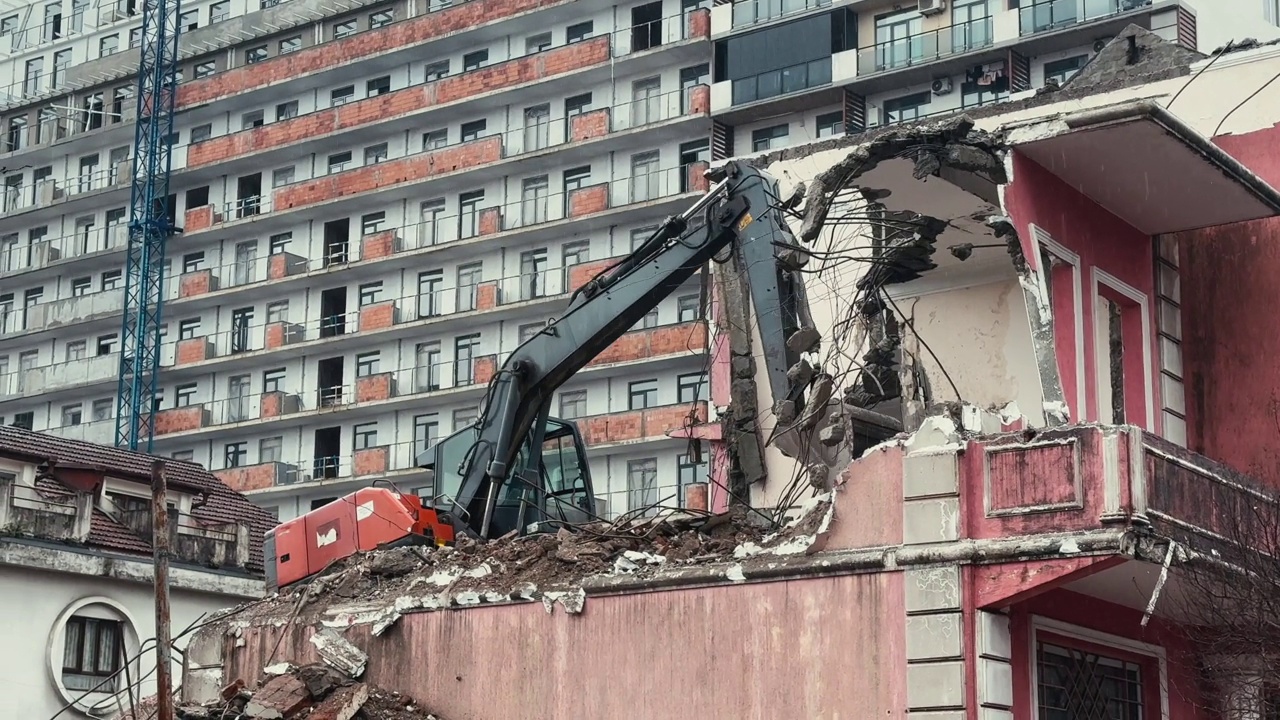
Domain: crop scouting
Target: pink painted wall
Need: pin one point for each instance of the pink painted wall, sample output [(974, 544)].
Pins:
[(1185, 702), (806, 648), (1230, 296), (1037, 197)]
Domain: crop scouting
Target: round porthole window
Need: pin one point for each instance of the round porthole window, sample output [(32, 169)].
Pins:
[(89, 645)]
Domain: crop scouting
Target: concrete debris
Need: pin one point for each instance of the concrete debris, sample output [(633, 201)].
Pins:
[(339, 653), (833, 434), (800, 374), (805, 339), (277, 669), (309, 692)]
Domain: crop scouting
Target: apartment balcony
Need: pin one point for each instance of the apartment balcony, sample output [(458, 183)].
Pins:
[(256, 477), (662, 349), (76, 309), (83, 247), (59, 515), (192, 539), (942, 52), (397, 461), (1052, 25), (745, 16), (49, 197)]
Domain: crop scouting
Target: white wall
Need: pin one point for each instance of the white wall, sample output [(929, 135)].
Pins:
[(31, 604)]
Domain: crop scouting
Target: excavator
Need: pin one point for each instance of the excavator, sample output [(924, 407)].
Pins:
[(517, 469)]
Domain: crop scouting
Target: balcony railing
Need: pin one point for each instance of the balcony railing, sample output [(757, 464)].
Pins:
[(1048, 15), (48, 190), (803, 76), (926, 47), (752, 12)]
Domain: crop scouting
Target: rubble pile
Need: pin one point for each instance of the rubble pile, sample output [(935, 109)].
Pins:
[(310, 692)]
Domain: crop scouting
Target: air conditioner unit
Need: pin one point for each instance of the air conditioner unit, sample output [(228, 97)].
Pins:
[(1100, 43), (941, 86), (932, 7)]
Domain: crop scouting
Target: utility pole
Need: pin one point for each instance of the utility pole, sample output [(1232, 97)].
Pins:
[(160, 554)]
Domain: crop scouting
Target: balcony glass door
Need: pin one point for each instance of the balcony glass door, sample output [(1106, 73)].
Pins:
[(970, 25), (246, 258), (899, 39), (238, 399)]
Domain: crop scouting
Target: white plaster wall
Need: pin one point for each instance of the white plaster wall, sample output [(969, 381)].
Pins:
[(30, 605)]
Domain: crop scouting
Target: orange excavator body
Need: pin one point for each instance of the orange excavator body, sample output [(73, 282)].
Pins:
[(367, 519)]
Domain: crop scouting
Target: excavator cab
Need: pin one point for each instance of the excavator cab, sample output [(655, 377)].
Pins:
[(546, 489)]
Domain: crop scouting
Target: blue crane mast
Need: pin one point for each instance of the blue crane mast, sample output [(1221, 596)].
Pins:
[(150, 225)]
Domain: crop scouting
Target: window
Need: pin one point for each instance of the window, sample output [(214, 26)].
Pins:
[(281, 177), (236, 454), (108, 45), (271, 449), (33, 77), (378, 86), (691, 387), (575, 178), (290, 45), (110, 280), (71, 415), (435, 139), (338, 161), (574, 253), (577, 104), (537, 43), (91, 652), (573, 404), (642, 394), (219, 11), (528, 331), (200, 133), (103, 409), (429, 289), (380, 18), (347, 28), (255, 54), (469, 214), (645, 177), (642, 484), (24, 420), (375, 154), (366, 436), (278, 312), (903, 109), (16, 138), (646, 101), (287, 110), (278, 244), (640, 235), (533, 200), (107, 344), (829, 124), (273, 380), (373, 222), (75, 350), (184, 395), (537, 127), (183, 455), (367, 364), (189, 20), (81, 286), (437, 70), (1060, 71), (465, 417), (370, 293), (1075, 683), (204, 69), (342, 95), (689, 307), (769, 138), (252, 119), (468, 278), (474, 60), (473, 130), (464, 352), (187, 329), (193, 262), (430, 213), (578, 32), (426, 431)]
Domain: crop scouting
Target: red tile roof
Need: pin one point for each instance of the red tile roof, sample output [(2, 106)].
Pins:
[(222, 504)]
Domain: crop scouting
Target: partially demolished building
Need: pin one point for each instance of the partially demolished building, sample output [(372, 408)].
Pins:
[(1045, 306)]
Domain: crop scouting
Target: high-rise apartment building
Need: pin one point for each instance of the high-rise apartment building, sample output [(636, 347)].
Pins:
[(379, 201)]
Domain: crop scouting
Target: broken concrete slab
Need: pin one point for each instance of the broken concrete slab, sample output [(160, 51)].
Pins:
[(340, 653), (281, 697), (343, 704)]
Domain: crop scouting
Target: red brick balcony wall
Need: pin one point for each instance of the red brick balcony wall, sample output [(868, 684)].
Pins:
[(282, 265), (195, 283), (700, 100), (253, 477), (375, 387), (198, 218), (347, 50), (588, 200), (271, 405), (379, 245), (487, 295), (485, 367), (654, 342), (589, 125), (192, 350), (373, 177), (696, 176), (175, 420), (371, 461), (582, 273), (700, 23), (378, 316), (639, 424), (529, 69), (275, 335), (490, 221)]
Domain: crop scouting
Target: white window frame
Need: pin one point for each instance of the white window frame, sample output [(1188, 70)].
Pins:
[(1045, 241), (1098, 279)]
